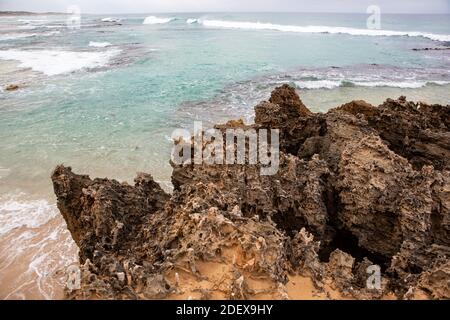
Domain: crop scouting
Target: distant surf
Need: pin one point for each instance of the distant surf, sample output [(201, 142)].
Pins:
[(192, 21), (331, 84), (99, 44), (110, 19), (14, 36), (320, 29), (17, 36), (157, 20)]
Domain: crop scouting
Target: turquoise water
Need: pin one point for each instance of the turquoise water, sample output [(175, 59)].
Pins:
[(115, 118), (105, 98)]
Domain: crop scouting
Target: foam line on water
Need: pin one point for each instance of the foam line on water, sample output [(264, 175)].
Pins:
[(192, 21), (53, 62), (15, 213), (99, 44), (331, 84), (157, 20), (320, 29)]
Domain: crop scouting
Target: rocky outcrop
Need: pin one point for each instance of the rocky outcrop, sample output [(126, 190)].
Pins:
[(356, 187), (12, 87), (104, 215)]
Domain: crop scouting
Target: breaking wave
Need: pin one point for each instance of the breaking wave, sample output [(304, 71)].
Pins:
[(15, 36), (53, 62), (99, 44), (111, 19), (157, 20), (192, 21), (320, 29), (331, 84), (33, 21)]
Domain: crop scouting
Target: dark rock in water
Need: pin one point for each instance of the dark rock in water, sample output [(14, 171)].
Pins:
[(428, 49), (12, 87), (357, 186)]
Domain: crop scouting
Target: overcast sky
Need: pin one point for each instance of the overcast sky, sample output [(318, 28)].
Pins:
[(148, 6)]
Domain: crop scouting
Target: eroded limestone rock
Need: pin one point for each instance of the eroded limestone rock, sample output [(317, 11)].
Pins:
[(357, 186)]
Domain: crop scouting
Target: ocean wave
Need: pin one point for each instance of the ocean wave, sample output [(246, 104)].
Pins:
[(99, 44), (15, 213), (48, 33), (320, 29), (111, 19), (32, 21), (27, 27), (318, 84), (16, 36), (331, 84), (157, 20), (53, 62), (55, 26), (192, 21), (400, 84)]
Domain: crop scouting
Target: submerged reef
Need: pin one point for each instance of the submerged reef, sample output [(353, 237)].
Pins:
[(358, 186)]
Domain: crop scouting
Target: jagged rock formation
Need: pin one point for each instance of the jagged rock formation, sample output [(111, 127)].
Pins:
[(12, 87), (357, 186)]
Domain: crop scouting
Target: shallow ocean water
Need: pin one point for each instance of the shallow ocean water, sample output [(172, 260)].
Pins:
[(105, 98)]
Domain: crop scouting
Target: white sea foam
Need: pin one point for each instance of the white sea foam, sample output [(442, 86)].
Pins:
[(52, 62), (394, 84), (15, 213), (27, 27), (49, 33), (320, 29), (191, 21), (37, 260), (33, 258), (157, 20), (331, 84), (33, 21), (399, 84), (110, 19), (99, 44), (318, 84), (54, 26), (14, 36)]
